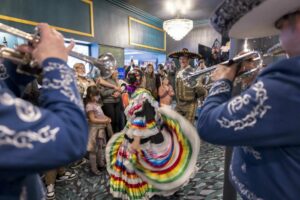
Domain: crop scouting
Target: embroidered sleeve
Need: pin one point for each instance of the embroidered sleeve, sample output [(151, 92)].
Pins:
[(37, 139), (220, 87), (59, 77), (262, 115)]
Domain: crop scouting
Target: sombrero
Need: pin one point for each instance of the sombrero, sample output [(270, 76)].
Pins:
[(251, 18), (184, 52)]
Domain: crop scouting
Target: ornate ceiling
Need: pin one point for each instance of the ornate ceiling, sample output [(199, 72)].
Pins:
[(200, 9)]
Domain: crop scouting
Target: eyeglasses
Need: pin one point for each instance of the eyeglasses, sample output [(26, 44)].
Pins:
[(290, 16)]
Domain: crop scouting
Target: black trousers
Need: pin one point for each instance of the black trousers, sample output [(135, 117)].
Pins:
[(229, 192), (114, 112)]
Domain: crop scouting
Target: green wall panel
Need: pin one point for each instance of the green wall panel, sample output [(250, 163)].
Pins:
[(68, 14), (146, 35), (116, 51), (111, 24)]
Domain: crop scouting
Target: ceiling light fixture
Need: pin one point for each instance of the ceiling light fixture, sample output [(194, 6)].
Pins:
[(178, 28)]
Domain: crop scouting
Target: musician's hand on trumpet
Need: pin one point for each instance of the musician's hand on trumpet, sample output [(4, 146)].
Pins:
[(47, 43), (50, 45), (225, 72)]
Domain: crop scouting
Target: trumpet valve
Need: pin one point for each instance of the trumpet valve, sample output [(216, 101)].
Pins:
[(13, 55), (25, 63)]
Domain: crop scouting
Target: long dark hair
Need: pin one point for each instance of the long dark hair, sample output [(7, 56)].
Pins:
[(152, 74), (91, 92)]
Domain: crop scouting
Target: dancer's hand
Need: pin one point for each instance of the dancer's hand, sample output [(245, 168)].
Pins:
[(135, 145)]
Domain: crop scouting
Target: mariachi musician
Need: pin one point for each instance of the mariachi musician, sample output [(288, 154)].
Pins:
[(36, 139), (186, 97), (262, 124)]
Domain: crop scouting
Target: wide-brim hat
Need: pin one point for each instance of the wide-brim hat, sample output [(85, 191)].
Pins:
[(185, 52), (251, 18)]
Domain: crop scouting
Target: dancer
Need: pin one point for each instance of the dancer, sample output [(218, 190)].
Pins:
[(143, 159)]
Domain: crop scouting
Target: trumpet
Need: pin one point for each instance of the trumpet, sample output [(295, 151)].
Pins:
[(190, 77), (275, 50), (26, 65), (105, 63)]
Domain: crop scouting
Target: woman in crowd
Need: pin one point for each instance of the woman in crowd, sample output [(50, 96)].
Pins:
[(150, 81), (165, 92), (112, 102), (143, 159), (98, 122)]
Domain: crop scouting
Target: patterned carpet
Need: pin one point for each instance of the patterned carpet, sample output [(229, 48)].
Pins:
[(207, 184)]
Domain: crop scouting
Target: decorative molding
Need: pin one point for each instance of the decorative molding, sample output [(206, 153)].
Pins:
[(148, 16), (137, 11), (33, 23), (130, 19)]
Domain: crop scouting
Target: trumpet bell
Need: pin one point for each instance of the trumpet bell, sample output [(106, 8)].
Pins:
[(191, 77), (106, 64)]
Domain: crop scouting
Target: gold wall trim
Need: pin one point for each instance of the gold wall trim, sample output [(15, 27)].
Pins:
[(33, 23), (149, 25)]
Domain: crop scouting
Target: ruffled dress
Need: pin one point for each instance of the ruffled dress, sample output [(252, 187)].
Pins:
[(167, 159)]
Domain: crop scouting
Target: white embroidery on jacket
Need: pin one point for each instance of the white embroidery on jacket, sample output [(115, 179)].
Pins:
[(253, 152), (244, 168), (26, 111), (3, 72), (243, 190), (25, 139), (257, 111), (237, 103), (67, 79), (219, 87)]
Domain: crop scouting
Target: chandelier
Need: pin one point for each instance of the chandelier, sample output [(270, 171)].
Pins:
[(178, 28)]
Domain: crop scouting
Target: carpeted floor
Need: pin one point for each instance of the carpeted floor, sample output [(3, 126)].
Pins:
[(207, 184)]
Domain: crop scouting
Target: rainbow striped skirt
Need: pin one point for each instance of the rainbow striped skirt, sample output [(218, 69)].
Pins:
[(157, 168)]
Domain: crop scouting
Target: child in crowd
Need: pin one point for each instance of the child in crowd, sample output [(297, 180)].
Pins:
[(165, 92), (98, 122)]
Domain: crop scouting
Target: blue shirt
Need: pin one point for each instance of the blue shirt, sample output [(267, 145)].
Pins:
[(263, 126), (36, 139)]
